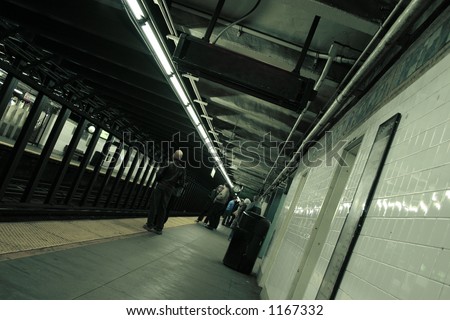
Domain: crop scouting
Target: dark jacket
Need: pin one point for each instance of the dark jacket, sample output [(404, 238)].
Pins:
[(172, 175)]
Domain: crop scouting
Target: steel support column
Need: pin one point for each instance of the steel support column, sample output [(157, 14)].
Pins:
[(109, 172), (6, 92), (83, 165), (119, 176), (96, 172), (149, 187), (305, 48), (144, 181), (45, 154), (128, 177), (213, 21), (64, 165), (21, 143), (134, 183)]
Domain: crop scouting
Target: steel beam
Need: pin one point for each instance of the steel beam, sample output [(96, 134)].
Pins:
[(21, 143), (45, 154), (127, 179), (143, 182), (109, 172), (134, 183), (6, 92), (95, 173), (148, 190), (64, 165), (213, 21), (83, 165), (119, 176), (305, 48)]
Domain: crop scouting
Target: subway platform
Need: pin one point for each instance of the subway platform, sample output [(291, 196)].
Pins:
[(118, 260)]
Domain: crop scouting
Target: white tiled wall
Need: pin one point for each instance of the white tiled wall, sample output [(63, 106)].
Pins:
[(404, 248), (281, 223), (304, 216)]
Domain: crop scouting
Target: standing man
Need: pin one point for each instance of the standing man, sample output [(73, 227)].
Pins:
[(217, 208), (229, 210), (167, 178), (209, 203)]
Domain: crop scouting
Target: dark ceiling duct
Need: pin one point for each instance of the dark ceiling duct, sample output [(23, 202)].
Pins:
[(242, 73)]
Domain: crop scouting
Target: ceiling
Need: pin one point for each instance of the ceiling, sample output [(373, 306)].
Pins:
[(93, 45)]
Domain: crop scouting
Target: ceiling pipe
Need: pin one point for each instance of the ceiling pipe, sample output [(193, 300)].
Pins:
[(373, 42), (261, 35), (331, 54), (406, 18), (167, 18), (331, 57)]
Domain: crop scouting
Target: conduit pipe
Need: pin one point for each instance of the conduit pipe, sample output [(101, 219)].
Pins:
[(167, 17), (407, 17), (331, 56), (174, 36), (326, 69), (286, 44)]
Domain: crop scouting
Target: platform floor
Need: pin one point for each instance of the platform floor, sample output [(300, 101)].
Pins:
[(117, 259)]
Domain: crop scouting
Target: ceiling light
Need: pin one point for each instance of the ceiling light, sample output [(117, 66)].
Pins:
[(18, 91), (202, 131), (136, 9), (193, 115), (157, 48), (211, 149), (221, 167), (213, 153), (179, 89), (143, 21)]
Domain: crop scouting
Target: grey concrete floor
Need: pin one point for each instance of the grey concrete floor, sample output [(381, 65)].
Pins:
[(184, 263)]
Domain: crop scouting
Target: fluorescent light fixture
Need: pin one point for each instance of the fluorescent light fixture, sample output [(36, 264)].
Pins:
[(179, 89), (18, 91), (202, 131), (136, 9), (193, 115), (157, 48), (153, 40), (209, 143), (212, 151)]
